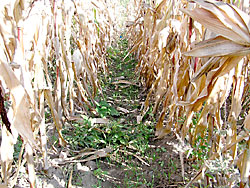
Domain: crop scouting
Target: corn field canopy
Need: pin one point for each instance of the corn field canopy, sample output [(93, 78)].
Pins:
[(65, 61)]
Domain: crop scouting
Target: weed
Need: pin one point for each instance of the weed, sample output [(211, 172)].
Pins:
[(161, 163), (200, 151), (105, 109), (161, 149), (171, 168), (17, 148)]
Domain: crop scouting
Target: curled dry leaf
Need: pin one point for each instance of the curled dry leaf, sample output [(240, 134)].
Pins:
[(123, 110), (21, 103), (90, 155), (218, 46)]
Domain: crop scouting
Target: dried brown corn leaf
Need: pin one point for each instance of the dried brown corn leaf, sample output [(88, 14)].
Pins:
[(55, 116), (123, 82), (214, 102), (162, 85), (218, 22), (247, 122), (230, 16), (31, 168), (21, 103), (245, 167), (218, 46), (92, 155), (7, 151), (210, 21), (238, 87), (226, 65)]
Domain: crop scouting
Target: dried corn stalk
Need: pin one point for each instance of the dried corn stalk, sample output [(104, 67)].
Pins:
[(47, 46), (190, 69)]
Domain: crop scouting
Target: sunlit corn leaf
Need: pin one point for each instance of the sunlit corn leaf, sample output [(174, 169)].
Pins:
[(245, 167), (7, 150), (218, 46), (21, 103), (212, 17), (31, 167)]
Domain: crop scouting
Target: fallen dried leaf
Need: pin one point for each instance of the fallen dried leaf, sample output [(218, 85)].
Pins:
[(125, 111)]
